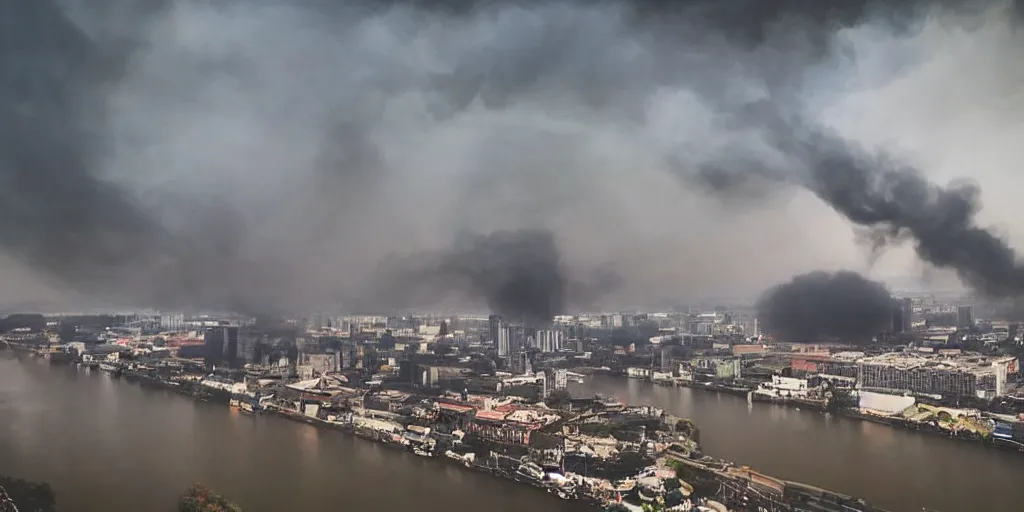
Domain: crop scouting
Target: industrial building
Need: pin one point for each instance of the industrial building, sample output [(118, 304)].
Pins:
[(950, 377)]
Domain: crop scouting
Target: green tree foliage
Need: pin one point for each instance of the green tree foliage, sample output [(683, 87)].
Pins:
[(657, 506), (528, 391), (559, 399), (200, 498), (689, 429), (839, 399), (29, 496)]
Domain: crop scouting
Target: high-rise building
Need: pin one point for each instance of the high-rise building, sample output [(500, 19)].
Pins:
[(221, 344), (964, 317), (516, 338), (907, 309), (499, 334), (549, 340), (493, 324), (896, 320), (502, 342)]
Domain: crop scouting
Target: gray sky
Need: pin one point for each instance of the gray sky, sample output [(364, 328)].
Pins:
[(322, 142)]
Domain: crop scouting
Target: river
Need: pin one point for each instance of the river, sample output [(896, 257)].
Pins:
[(106, 444), (892, 468), (109, 445)]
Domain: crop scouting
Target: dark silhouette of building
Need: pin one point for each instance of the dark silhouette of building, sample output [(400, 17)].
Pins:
[(964, 317), (493, 326), (897, 317), (221, 345)]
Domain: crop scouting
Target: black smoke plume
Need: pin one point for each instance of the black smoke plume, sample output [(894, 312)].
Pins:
[(876, 191), (517, 273), (162, 152), (821, 306)]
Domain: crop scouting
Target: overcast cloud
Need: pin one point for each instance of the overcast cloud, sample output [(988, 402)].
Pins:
[(275, 153)]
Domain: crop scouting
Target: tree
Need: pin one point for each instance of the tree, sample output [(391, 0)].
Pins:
[(689, 429), (29, 496), (657, 506), (559, 399), (200, 498), (839, 399)]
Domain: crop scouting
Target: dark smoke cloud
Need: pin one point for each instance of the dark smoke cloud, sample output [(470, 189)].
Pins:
[(895, 201), (518, 274), (266, 156), (824, 306)]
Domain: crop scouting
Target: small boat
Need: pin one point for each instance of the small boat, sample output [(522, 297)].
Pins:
[(108, 367), (529, 472), (247, 408), (234, 403)]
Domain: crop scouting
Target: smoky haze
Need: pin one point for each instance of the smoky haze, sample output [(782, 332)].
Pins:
[(518, 274), (269, 156)]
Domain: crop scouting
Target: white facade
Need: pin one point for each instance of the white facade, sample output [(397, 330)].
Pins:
[(549, 340), (502, 342), (788, 387), (638, 373), (883, 403)]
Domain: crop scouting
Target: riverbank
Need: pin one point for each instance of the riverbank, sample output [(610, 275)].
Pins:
[(502, 462), (928, 426)]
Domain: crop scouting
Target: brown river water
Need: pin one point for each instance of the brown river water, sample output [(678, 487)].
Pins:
[(109, 445)]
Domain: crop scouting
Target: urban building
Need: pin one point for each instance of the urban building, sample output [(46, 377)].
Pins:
[(549, 340), (221, 344), (949, 377), (499, 334), (907, 313), (555, 379), (964, 317), (899, 320), (719, 367), (519, 363), (611, 321)]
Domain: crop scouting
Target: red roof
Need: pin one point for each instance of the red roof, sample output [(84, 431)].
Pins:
[(491, 415), (455, 407)]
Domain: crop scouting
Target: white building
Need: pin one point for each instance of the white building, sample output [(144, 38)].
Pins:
[(549, 340), (780, 386), (639, 373), (502, 342)]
